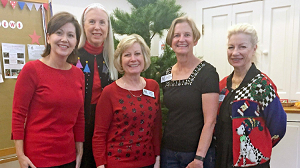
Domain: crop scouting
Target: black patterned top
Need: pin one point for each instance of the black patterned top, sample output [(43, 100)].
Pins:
[(183, 98)]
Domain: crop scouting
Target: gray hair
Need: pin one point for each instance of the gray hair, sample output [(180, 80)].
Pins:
[(108, 47)]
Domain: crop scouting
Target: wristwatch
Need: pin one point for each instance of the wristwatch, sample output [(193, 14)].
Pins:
[(199, 158)]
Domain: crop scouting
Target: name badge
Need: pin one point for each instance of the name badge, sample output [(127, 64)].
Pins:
[(221, 97), (166, 78), (148, 93)]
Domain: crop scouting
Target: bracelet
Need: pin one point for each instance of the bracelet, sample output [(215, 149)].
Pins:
[(199, 158)]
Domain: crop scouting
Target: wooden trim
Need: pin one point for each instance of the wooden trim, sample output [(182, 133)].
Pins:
[(292, 109), (8, 155), (8, 159), (7, 151)]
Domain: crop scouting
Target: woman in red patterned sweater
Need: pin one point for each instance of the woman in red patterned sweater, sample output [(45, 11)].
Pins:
[(128, 116)]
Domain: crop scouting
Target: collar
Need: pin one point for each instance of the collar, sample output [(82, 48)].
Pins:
[(251, 73), (92, 49)]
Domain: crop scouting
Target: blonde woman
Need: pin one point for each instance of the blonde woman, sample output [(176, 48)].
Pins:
[(128, 116)]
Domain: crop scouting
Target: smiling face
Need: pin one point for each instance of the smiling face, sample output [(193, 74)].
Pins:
[(63, 40), (133, 59), (183, 40), (240, 51), (96, 26)]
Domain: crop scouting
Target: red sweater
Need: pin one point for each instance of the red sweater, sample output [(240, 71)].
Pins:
[(50, 103), (127, 128)]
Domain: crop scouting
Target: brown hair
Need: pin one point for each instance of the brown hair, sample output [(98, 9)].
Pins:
[(56, 22), (196, 33)]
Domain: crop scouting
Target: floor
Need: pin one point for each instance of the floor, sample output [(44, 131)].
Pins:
[(14, 164)]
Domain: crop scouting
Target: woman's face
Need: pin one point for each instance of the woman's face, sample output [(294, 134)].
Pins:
[(96, 26), (133, 60), (183, 40), (63, 40), (240, 50)]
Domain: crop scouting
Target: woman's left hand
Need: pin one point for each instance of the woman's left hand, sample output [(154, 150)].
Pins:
[(79, 152), (195, 164), (157, 162)]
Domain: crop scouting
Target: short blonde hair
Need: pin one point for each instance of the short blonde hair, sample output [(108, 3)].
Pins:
[(127, 42), (108, 47), (196, 32), (248, 29)]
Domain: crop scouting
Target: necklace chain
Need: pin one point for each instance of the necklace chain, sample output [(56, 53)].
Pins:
[(135, 95), (131, 92)]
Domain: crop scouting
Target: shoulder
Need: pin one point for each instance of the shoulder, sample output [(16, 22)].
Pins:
[(151, 82), (109, 88), (207, 71), (76, 69), (32, 66), (223, 82), (81, 51), (167, 71), (265, 81), (207, 66)]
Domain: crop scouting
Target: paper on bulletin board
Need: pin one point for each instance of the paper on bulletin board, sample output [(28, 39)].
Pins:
[(1, 77), (35, 51), (13, 59)]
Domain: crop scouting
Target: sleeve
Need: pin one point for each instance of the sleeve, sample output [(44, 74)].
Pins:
[(157, 131), (79, 126), (275, 118), (103, 118), (210, 81), (24, 90)]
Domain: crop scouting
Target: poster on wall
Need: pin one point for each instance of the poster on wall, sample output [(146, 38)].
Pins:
[(13, 59), (35, 51)]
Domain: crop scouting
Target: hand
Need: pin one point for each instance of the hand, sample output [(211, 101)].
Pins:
[(157, 162), (25, 162), (195, 164), (101, 166)]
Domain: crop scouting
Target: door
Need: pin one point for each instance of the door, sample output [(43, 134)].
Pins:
[(278, 44), (216, 21)]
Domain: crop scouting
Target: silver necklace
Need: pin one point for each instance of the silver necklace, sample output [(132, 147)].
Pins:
[(131, 92), (135, 95)]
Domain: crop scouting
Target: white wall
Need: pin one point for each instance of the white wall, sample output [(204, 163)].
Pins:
[(76, 7)]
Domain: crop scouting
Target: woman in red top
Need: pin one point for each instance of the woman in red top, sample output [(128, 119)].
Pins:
[(128, 116), (48, 118)]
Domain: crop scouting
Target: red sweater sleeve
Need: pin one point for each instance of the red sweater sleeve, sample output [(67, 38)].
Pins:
[(103, 118), (24, 90), (157, 131), (79, 126)]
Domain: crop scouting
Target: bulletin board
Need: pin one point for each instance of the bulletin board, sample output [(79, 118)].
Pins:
[(31, 20)]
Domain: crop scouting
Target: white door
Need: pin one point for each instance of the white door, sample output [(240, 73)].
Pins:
[(216, 22), (278, 43)]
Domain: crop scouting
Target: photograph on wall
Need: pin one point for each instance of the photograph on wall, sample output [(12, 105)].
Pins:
[(13, 59)]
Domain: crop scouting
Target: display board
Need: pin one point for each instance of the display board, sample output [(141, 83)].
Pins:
[(21, 22)]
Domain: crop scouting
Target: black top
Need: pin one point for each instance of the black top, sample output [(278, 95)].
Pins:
[(183, 98), (89, 77)]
